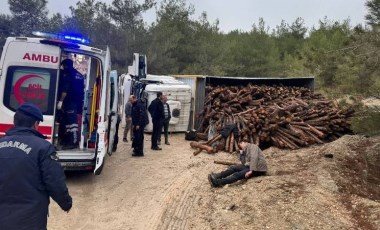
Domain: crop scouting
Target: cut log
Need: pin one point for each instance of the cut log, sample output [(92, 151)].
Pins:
[(214, 139), (287, 142), (316, 131), (207, 148), (293, 138), (232, 141), (197, 152), (225, 162), (286, 117), (202, 136)]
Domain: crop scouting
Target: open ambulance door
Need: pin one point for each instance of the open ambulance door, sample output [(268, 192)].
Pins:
[(102, 142), (113, 116)]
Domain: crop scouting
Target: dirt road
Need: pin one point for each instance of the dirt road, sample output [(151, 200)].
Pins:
[(169, 190), (156, 191)]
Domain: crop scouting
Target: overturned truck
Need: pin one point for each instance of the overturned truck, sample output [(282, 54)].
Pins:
[(284, 112)]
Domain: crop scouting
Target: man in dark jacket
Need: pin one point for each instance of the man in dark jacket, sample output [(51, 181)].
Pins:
[(71, 95), (253, 164), (156, 110), (30, 174), (139, 121)]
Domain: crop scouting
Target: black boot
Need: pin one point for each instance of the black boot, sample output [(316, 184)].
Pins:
[(215, 182), (216, 176), (211, 180)]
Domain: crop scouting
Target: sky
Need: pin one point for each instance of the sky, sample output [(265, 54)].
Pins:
[(242, 14)]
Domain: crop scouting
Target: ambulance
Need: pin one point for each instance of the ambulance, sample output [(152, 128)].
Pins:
[(30, 72)]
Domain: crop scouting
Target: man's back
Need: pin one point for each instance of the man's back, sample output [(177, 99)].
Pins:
[(75, 88), (139, 113), (29, 176), (156, 109)]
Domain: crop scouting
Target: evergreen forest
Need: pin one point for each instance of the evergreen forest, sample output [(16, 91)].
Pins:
[(342, 57)]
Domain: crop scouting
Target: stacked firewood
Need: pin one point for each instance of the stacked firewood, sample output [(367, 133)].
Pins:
[(285, 117)]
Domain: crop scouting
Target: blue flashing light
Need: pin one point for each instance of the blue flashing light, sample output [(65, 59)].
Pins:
[(76, 39), (66, 37)]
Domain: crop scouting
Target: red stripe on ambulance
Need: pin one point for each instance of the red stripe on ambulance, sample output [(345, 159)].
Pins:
[(45, 130)]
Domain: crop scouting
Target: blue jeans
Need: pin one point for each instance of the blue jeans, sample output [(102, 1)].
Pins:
[(232, 174)]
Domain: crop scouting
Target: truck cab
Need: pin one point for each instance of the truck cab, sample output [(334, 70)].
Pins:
[(30, 72)]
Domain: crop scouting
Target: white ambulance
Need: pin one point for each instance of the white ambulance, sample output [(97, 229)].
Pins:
[(29, 72)]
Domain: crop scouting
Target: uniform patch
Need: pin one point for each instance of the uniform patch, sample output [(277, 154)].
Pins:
[(10, 144), (54, 156)]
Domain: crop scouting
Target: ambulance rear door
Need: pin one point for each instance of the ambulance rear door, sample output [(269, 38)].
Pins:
[(113, 116), (103, 142), (29, 73)]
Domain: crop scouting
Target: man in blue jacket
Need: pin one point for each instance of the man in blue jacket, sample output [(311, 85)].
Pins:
[(71, 95), (30, 174)]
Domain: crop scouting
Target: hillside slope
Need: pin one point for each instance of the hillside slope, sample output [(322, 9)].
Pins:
[(330, 186)]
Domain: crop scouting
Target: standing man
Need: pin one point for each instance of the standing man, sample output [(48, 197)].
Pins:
[(30, 174), (71, 102), (253, 164), (165, 123), (156, 110), (139, 121), (128, 119)]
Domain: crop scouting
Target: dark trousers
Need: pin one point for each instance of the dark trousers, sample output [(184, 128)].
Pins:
[(116, 140), (165, 125), (234, 173), (71, 125), (138, 140), (156, 133)]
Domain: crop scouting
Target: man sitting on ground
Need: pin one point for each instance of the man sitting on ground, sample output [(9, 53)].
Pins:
[(252, 164)]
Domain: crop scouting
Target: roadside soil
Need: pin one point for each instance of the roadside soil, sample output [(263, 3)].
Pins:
[(330, 186)]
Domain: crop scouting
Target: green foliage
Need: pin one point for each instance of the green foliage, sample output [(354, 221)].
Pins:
[(84, 17), (173, 38), (323, 52), (132, 37), (344, 60), (5, 29), (28, 16), (207, 57), (289, 40), (367, 121), (251, 54), (373, 17), (127, 13), (55, 23)]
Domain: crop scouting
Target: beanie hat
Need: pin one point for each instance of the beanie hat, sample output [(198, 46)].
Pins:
[(31, 110)]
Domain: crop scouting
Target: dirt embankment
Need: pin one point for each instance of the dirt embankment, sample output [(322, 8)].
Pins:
[(330, 186)]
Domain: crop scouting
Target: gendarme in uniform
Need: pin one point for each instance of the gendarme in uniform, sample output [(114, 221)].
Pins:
[(30, 174)]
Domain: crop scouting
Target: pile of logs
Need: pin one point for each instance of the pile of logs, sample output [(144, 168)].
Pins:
[(285, 117)]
